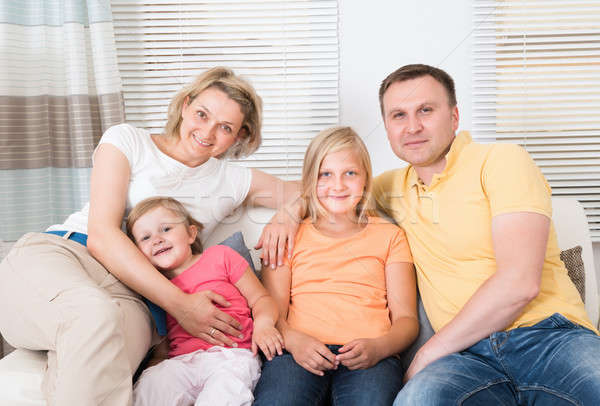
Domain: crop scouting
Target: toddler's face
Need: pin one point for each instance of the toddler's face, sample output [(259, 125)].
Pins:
[(163, 238)]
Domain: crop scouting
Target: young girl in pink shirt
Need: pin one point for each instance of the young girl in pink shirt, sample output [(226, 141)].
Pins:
[(347, 295), (197, 371)]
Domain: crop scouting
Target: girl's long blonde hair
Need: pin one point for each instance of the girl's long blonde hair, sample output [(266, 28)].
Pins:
[(327, 141)]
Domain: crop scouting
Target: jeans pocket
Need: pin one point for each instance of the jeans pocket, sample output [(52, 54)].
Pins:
[(561, 321)]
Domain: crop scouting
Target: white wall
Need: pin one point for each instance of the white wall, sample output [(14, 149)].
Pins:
[(377, 38)]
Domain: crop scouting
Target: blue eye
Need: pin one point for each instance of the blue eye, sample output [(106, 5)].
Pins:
[(324, 174), (426, 109), (144, 238), (352, 173), (166, 229)]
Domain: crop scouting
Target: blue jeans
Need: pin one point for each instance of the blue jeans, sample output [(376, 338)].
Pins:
[(284, 382), (554, 362)]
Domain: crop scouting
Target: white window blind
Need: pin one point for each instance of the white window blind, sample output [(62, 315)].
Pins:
[(536, 82), (288, 50)]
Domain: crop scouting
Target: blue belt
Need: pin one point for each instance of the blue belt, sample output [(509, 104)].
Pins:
[(78, 237)]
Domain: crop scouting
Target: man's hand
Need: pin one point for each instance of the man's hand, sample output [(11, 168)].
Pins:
[(310, 353), (431, 351), (359, 354), (199, 316)]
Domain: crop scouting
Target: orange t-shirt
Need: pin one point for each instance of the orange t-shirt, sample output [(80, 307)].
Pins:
[(338, 290)]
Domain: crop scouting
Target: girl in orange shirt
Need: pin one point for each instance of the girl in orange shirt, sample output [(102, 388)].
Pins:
[(347, 295)]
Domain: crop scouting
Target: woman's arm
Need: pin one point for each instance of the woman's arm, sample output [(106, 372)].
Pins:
[(269, 191), (265, 314), (308, 352), (109, 245), (402, 302)]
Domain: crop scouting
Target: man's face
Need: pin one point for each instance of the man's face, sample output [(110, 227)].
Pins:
[(419, 121)]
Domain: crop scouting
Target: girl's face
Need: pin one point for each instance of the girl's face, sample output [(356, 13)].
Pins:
[(164, 238), (341, 182), (210, 125)]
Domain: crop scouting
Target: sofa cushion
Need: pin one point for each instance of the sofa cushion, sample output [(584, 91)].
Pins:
[(236, 241), (574, 264)]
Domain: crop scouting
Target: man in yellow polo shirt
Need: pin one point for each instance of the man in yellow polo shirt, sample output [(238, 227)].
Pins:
[(510, 327)]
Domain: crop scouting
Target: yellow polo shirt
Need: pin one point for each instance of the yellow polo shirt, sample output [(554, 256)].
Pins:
[(449, 228)]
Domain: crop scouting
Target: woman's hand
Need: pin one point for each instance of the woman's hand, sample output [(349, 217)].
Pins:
[(266, 337), (268, 191), (359, 354), (199, 316), (278, 237), (309, 353)]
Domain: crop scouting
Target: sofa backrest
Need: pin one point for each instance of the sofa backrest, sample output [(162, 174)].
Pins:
[(569, 219), (572, 230)]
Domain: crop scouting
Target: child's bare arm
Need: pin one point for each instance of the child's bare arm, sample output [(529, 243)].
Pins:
[(402, 302), (264, 311)]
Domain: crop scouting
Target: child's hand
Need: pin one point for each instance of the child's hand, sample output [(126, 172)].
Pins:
[(359, 354), (266, 337), (310, 353)]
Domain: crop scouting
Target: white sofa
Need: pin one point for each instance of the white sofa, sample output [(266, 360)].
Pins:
[(21, 371)]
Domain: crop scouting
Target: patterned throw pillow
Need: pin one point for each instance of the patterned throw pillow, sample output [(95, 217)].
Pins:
[(574, 264)]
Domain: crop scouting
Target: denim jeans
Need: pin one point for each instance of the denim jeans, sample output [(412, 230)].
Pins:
[(283, 382), (554, 362)]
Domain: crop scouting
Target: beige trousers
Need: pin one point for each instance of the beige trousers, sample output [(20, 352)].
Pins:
[(54, 296)]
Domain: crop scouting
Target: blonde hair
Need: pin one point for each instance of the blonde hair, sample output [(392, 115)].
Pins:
[(238, 90), (327, 141), (168, 203)]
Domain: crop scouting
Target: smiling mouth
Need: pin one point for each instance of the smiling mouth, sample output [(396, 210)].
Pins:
[(161, 251), (199, 141)]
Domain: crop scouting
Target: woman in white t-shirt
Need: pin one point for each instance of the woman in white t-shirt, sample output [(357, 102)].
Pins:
[(79, 303)]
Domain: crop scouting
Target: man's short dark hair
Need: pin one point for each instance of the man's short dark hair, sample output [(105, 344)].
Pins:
[(408, 72)]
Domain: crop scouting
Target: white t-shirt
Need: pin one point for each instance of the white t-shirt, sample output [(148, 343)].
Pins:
[(210, 192)]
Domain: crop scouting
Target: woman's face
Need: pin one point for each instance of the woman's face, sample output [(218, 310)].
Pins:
[(210, 125)]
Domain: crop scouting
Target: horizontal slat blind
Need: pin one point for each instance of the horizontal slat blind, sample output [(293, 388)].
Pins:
[(536, 82), (287, 49)]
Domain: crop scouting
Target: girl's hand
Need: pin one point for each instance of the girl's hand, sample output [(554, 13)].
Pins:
[(277, 237), (359, 354), (199, 316), (266, 337), (310, 353)]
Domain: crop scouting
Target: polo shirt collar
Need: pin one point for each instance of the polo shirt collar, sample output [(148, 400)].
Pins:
[(461, 140)]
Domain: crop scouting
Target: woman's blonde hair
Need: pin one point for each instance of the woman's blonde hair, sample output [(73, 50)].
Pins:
[(238, 90), (327, 141), (168, 203)]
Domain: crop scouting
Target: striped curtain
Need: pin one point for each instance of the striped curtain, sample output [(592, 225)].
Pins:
[(60, 89)]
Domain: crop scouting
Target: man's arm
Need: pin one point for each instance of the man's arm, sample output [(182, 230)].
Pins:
[(520, 241)]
